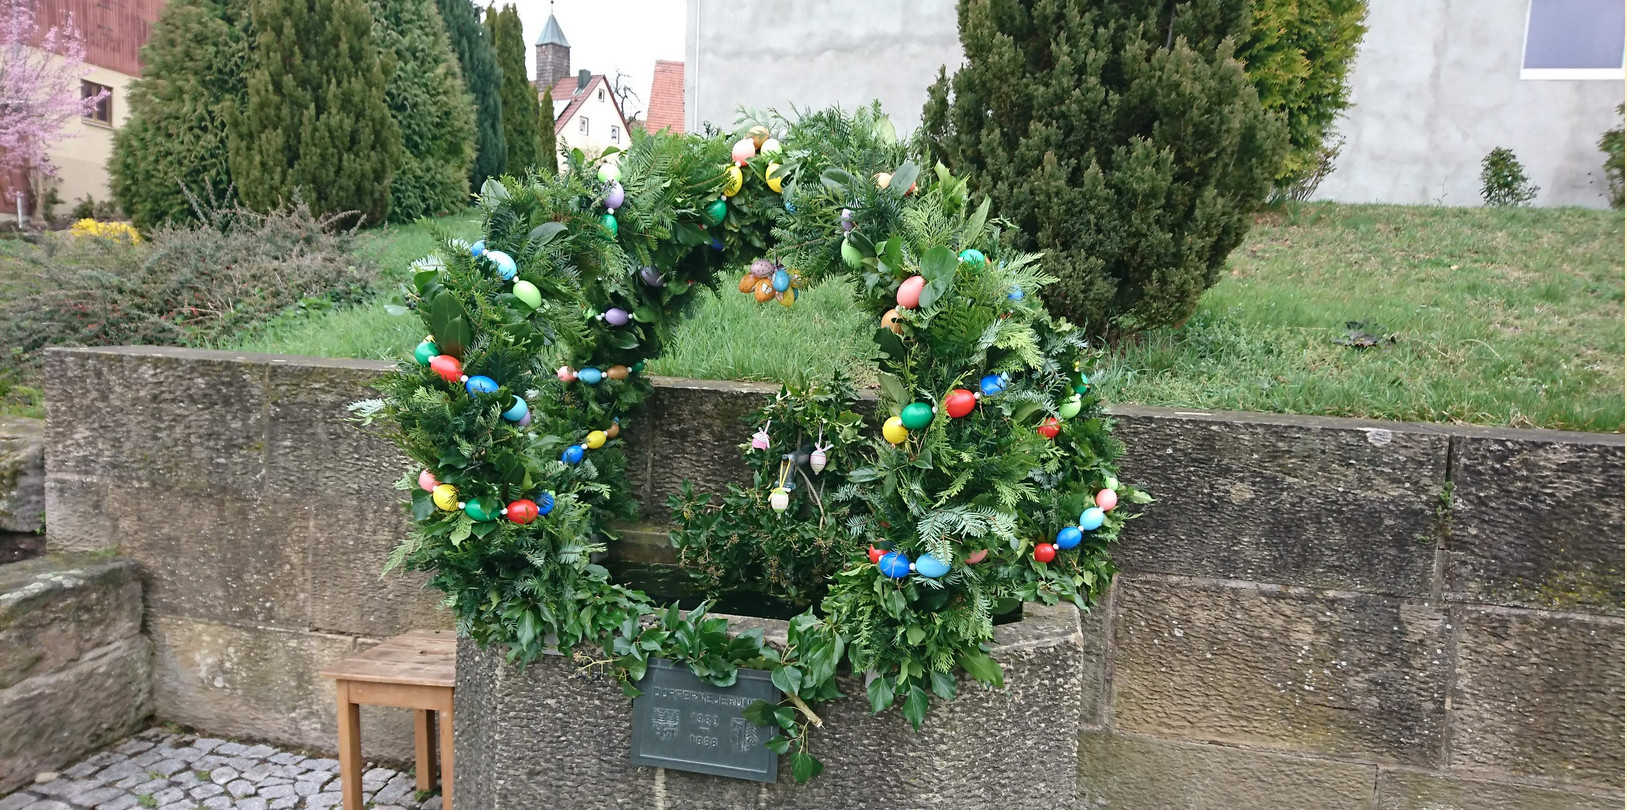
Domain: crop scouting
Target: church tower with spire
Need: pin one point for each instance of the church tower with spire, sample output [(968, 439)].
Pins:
[(553, 53)]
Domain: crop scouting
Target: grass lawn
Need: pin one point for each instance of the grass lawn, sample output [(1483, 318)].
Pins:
[(1499, 317)]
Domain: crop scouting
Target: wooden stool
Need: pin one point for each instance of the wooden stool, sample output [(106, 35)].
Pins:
[(414, 670)]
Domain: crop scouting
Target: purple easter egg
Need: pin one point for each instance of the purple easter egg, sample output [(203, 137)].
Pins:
[(616, 316), (762, 268), (615, 196), (525, 420), (847, 219), (652, 277)]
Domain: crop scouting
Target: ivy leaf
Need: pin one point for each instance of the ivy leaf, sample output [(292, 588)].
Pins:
[(804, 766), (983, 668), (890, 344), (422, 505), (938, 263), (974, 225), (778, 744), (915, 706), (880, 692), (545, 233), (904, 177), (788, 679), (450, 324), (943, 685), (891, 387), (760, 713), (915, 634), (1140, 497)]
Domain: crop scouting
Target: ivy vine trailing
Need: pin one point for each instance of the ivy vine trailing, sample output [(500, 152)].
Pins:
[(987, 492)]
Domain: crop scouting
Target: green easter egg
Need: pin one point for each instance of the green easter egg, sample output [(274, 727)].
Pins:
[(851, 255), (1071, 407), (715, 211), (425, 351), (916, 415), (609, 223), (476, 512), (528, 293)]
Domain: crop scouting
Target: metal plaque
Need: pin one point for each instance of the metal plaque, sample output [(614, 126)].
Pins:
[(684, 723)]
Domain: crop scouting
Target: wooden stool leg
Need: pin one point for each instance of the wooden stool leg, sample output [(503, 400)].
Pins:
[(350, 748), (423, 736), (444, 719)]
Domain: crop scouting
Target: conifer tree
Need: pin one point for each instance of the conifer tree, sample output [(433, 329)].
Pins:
[(1120, 137), (314, 122), (519, 96), (478, 61), (431, 106), (174, 139), (547, 138)]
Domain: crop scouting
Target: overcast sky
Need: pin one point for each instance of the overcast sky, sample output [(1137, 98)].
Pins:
[(606, 37)]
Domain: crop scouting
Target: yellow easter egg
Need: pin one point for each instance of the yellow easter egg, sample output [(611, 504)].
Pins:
[(733, 179), (445, 497), (788, 297), (774, 180), (758, 134), (595, 439), (893, 431), (883, 179)]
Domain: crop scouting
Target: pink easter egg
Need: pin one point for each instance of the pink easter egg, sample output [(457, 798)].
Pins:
[(566, 374), (744, 150), (1107, 499), (909, 293), (427, 482)]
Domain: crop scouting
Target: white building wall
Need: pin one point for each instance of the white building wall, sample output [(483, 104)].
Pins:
[(601, 116)]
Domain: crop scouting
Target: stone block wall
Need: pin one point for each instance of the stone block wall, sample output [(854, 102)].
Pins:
[(1315, 613), (75, 671)]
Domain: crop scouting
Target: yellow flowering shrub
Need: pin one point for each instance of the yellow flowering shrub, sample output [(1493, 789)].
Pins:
[(112, 231)]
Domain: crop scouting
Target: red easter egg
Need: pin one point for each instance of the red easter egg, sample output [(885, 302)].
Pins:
[(876, 554), (522, 511), (1045, 552), (959, 403), (1050, 427), (909, 293), (1107, 499), (977, 556), (447, 367)]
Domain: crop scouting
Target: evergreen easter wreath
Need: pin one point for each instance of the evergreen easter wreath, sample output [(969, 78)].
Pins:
[(992, 480)]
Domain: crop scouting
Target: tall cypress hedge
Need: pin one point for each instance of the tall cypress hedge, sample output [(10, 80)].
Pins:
[(519, 96), (1120, 137), (478, 61), (432, 108)]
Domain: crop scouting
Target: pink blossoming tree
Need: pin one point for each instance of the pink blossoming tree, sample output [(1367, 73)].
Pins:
[(39, 90)]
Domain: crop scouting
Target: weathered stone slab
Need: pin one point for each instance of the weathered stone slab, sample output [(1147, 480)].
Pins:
[(312, 447), (262, 683), (22, 474), (349, 591), (55, 609), (1095, 693), (691, 429), (1128, 771), (1537, 519), (1342, 674), (1331, 503), (1402, 790), (549, 738), (80, 520), (1539, 694), (53, 719)]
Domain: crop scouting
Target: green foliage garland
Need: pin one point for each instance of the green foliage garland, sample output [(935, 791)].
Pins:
[(983, 493)]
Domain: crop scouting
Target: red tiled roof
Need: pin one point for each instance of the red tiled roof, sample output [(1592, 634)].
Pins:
[(566, 89), (666, 98)]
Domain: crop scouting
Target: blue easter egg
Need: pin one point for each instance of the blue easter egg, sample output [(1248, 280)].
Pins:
[(504, 262), (894, 565), (517, 411), (931, 567), (972, 256), (477, 248), (1068, 537), (480, 384), (717, 244), (992, 384), (782, 281), (1091, 519), (572, 454), (545, 503), (1016, 294), (789, 208), (590, 375)]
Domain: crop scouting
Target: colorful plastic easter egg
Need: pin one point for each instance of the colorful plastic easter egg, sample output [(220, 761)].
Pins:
[(876, 554), (847, 219), (1016, 293), (425, 352), (883, 179), (715, 211), (477, 248), (972, 256), (893, 430), (517, 411), (782, 281), (1106, 500), (769, 147), (743, 151), (615, 316), (716, 243), (773, 178), (545, 503), (566, 374), (504, 262), (616, 372), (525, 421), (1081, 383), (759, 135), (573, 454), (652, 277), (894, 565), (614, 196), (1068, 537), (590, 375), (445, 497), (477, 512), (930, 567), (1070, 407), (614, 430), (763, 291), (977, 556), (779, 499), (992, 384), (733, 179), (748, 282), (1045, 552), (595, 439), (916, 416), (608, 221), (609, 172), (480, 384), (889, 320), (817, 460), (446, 367), (527, 293), (959, 403), (521, 511), (788, 298), (427, 482), (1050, 427), (909, 293), (1091, 519), (762, 268), (851, 255)]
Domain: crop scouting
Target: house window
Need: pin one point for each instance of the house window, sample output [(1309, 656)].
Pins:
[(615, 134), (1574, 39), (103, 111), (601, 95), (584, 125)]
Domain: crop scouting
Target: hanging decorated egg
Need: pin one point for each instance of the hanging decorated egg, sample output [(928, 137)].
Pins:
[(916, 416), (909, 293), (893, 430), (425, 352), (930, 567), (1081, 382), (573, 454), (733, 179), (818, 459), (762, 268), (889, 320), (789, 208), (614, 196), (1045, 552), (616, 372), (521, 511), (652, 277), (519, 410), (427, 482), (716, 243), (743, 151), (894, 565), (525, 421), (759, 440), (1091, 519), (545, 503), (977, 556), (876, 554), (566, 374), (527, 293), (446, 367), (883, 179), (609, 172), (959, 403), (1106, 500), (759, 135), (788, 298), (763, 291), (851, 255), (445, 497), (1050, 427), (614, 430), (779, 499), (504, 262), (1016, 293), (595, 439), (480, 384), (774, 179), (769, 148), (1070, 407), (590, 375), (847, 219), (748, 282), (610, 224), (615, 316), (782, 281), (477, 512), (477, 248), (972, 256), (1068, 537), (714, 212), (992, 384)]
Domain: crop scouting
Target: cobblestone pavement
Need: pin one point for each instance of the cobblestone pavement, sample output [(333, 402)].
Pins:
[(167, 771)]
